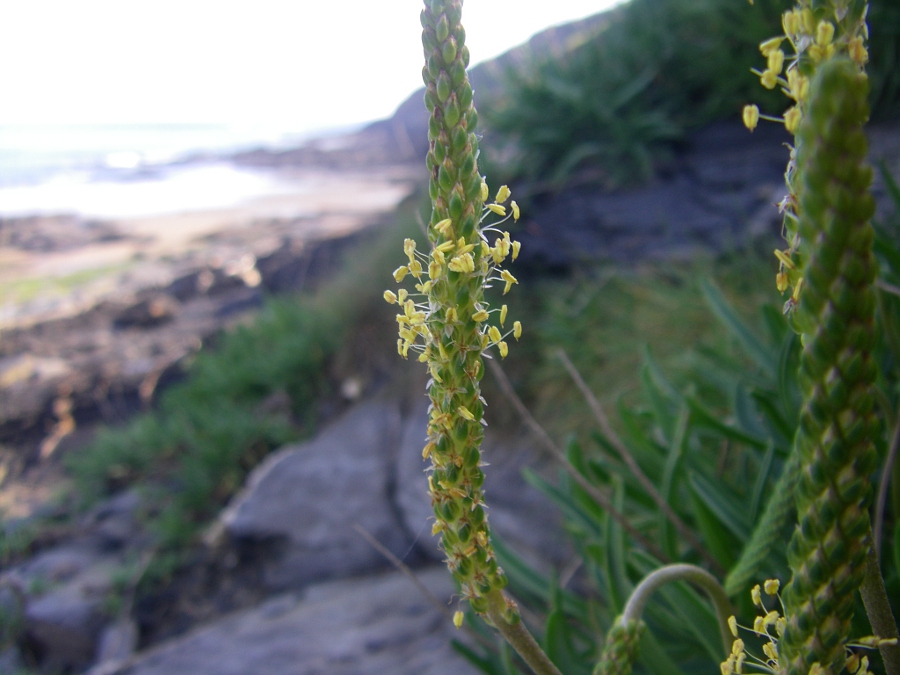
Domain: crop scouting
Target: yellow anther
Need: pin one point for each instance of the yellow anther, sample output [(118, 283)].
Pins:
[(458, 619), (462, 263), (485, 248), (480, 316), (503, 311), (496, 208), (502, 194), (817, 669), (770, 618), (781, 282), (437, 528), (739, 663), (771, 45), (785, 260), (438, 255), (727, 666), (444, 226), (409, 248), (464, 412), (428, 449), (790, 21), (797, 84), (509, 279), (516, 247), (504, 349), (415, 268), (792, 119), (732, 626), (451, 315), (807, 21), (771, 586), (769, 79), (484, 191), (751, 116), (515, 210), (467, 248), (517, 329), (400, 273), (756, 596), (771, 650), (775, 61), (494, 334), (402, 294), (795, 296), (852, 663), (434, 269), (824, 33), (446, 247), (737, 646), (390, 297), (856, 48), (780, 625), (759, 625)]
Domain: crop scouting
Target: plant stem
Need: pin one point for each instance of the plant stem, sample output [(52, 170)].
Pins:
[(597, 495), (878, 608), (517, 635), (682, 527), (881, 500), (683, 572)]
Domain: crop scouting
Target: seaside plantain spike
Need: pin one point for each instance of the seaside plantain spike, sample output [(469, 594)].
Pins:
[(621, 648), (835, 316), (447, 320)]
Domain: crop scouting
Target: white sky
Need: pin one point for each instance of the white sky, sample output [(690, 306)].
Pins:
[(287, 65)]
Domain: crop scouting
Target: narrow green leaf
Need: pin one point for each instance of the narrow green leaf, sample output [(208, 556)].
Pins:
[(724, 506), (704, 418), (559, 647), (671, 473), (725, 314), (787, 374), (655, 659), (718, 540), (762, 479)]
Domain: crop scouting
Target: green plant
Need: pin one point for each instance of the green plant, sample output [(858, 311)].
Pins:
[(825, 465), (614, 103)]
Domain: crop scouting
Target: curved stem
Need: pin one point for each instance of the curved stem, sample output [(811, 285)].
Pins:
[(683, 572), (878, 609), (499, 608), (881, 501)]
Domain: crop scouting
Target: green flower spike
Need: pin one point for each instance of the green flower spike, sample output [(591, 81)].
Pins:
[(621, 649), (815, 32), (835, 317), (447, 320)]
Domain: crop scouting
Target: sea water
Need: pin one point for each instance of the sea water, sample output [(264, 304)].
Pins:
[(119, 171)]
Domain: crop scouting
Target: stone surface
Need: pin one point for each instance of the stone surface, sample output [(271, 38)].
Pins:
[(302, 503), (518, 514), (374, 626)]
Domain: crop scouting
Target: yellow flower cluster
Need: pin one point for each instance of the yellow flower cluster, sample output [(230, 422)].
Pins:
[(814, 35), (770, 620), (418, 317)]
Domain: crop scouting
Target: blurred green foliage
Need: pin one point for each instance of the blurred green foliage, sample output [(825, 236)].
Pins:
[(712, 427), (613, 104)]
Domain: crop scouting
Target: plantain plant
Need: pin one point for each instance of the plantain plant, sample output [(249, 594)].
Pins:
[(825, 435)]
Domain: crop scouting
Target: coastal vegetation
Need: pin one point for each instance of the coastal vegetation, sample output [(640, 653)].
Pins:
[(695, 362)]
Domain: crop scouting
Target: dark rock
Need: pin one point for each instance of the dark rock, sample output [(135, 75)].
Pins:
[(301, 503), (719, 191), (148, 313), (369, 626)]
